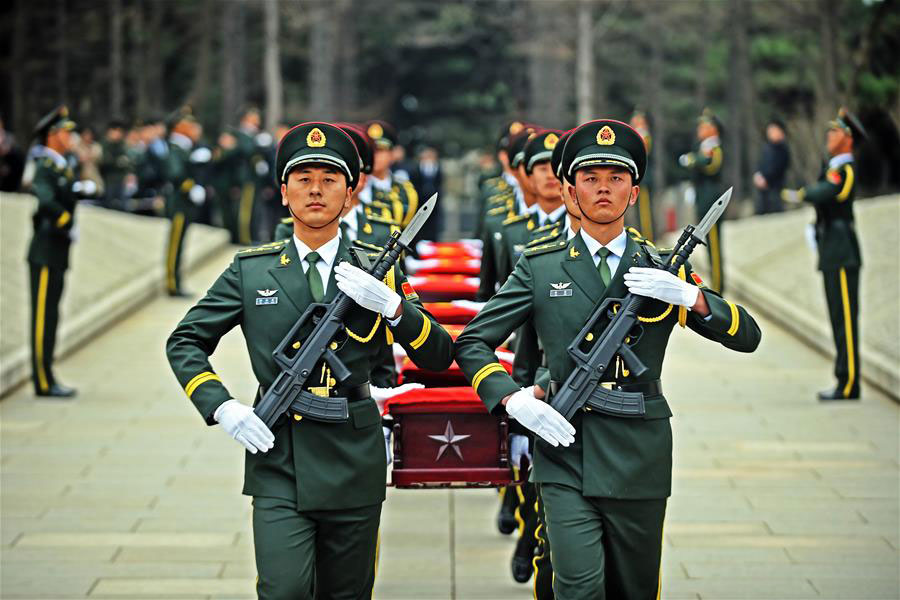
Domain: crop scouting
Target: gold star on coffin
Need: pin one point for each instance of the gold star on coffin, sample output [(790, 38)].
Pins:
[(448, 440)]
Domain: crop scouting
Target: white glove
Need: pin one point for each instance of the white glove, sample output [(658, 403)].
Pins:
[(791, 196), (197, 195), (74, 233), (85, 187), (365, 290), (518, 447), (540, 418), (262, 168), (387, 444), (662, 285), (201, 155), (240, 422), (380, 395), (686, 160)]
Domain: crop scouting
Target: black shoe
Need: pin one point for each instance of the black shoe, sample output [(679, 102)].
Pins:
[(835, 394), (506, 522), (58, 391), (522, 568)]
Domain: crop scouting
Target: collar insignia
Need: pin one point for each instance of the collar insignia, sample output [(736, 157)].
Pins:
[(284, 260), (573, 253)]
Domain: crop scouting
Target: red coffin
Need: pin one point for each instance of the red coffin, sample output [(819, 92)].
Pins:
[(448, 313), (445, 437), (443, 288)]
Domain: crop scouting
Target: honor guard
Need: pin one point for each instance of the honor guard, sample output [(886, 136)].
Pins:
[(240, 164), (640, 122), (57, 191), (705, 164), (185, 170), (317, 486), (496, 190), (603, 478), (839, 256), (384, 195)]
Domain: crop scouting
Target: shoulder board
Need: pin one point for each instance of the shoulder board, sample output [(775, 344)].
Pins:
[(367, 246), (287, 220), (409, 188), (270, 248), (497, 210), (545, 227), (544, 248), (542, 240), (515, 219), (492, 181), (380, 219)]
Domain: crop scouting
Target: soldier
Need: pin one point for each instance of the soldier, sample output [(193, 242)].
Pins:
[(502, 185), (48, 254), (115, 164), (187, 191), (705, 164), (774, 160), (640, 122), (240, 163), (384, 194), (151, 165), (317, 487), (839, 256), (603, 479)]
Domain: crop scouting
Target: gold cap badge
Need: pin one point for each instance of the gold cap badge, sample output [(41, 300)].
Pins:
[(315, 138), (375, 131), (606, 136), (550, 141)]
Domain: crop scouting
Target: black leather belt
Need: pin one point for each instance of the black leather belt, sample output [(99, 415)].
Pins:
[(353, 393), (647, 388)]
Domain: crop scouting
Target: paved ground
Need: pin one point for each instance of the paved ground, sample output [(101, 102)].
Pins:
[(125, 493)]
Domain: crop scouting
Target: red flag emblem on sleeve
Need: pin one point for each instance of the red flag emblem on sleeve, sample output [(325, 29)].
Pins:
[(697, 279), (408, 291), (834, 176)]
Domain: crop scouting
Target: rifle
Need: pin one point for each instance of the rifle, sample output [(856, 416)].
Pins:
[(582, 386), (328, 320)]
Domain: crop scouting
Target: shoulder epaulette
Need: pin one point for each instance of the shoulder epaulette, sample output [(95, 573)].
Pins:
[(380, 219), (287, 220), (543, 239), (544, 248), (545, 227), (367, 246), (270, 248), (515, 219), (497, 210)]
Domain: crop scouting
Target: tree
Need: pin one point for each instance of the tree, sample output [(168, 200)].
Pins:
[(272, 67)]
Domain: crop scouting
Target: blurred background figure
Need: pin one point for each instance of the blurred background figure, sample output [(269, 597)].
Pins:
[(774, 160), (115, 164), (427, 178), (89, 154), (644, 213), (12, 160)]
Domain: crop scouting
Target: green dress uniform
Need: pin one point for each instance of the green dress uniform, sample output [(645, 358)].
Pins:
[(492, 242), (115, 165), (48, 252), (317, 493), (840, 260), (605, 495), (185, 172), (705, 164), (400, 201)]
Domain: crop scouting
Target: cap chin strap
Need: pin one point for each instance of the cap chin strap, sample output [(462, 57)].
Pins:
[(585, 215)]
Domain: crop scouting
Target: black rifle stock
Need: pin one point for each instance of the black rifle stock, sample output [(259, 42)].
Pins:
[(582, 386), (297, 366)]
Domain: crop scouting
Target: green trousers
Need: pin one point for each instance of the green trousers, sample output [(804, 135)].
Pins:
[(178, 225), (322, 555), (46, 292), (603, 547), (543, 568), (842, 294)]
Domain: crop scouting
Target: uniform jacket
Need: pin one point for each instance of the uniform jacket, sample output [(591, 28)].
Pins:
[(320, 466), (832, 196), (55, 215), (612, 457), (706, 173)]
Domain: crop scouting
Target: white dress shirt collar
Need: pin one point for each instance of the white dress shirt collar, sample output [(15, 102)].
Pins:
[(840, 160), (552, 217), (327, 251), (570, 233), (381, 184), (351, 220), (58, 159)]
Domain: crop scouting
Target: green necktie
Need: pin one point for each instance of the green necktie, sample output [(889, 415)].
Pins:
[(314, 279), (603, 267)]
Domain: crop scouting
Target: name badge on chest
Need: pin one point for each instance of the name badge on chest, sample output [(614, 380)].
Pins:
[(267, 297), (561, 289)]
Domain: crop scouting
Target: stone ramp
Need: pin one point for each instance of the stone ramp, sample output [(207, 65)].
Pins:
[(770, 266), (125, 493), (116, 265)]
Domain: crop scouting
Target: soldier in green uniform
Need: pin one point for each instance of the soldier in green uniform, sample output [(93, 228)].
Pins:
[(839, 256), (115, 164), (48, 254), (640, 122), (151, 164), (494, 190), (186, 190), (384, 195), (317, 487), (705, 164), (240, 162), (603, 479)]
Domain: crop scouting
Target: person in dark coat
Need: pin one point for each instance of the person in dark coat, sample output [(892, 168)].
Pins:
[(773, 165), (427, 178)]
